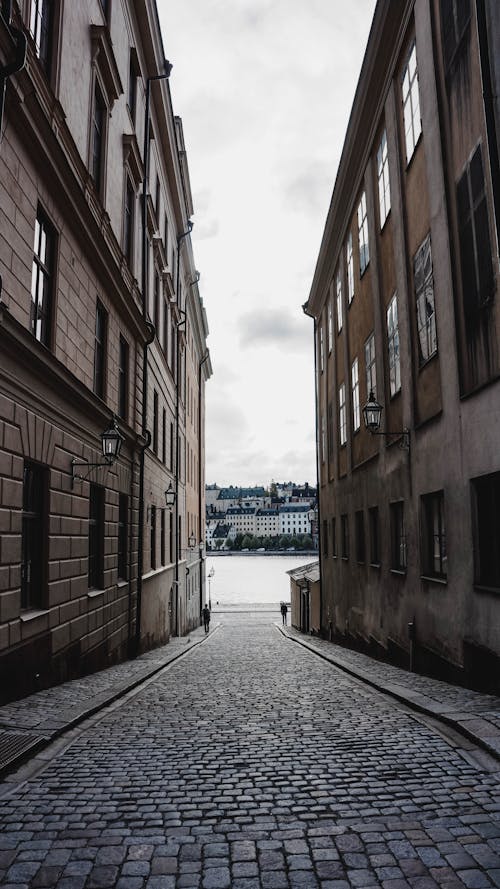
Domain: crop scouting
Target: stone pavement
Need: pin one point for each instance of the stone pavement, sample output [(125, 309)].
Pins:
[(475, 715), (252, 763)]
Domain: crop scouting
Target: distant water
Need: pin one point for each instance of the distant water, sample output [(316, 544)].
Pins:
[(252, 580)]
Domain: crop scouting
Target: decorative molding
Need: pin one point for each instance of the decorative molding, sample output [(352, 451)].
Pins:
[(104, 57), (132, 159)]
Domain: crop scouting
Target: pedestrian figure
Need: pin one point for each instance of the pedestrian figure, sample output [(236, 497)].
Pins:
[(206, 618), (284, 612)]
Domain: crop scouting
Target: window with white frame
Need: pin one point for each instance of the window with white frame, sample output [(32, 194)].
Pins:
[(393, 346), (330, 324), (384, 191), (321, 349), (339, 302), (323, 439), (364, 249), (371, 374), (424, 296), (411, 104), (350, 269), (356, 417), (342, 415)]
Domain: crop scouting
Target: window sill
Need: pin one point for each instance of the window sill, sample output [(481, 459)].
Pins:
[(399, 572), (121, 582), (26, 616), (93, 594), (376, 565), (487, 589), (443, 581)]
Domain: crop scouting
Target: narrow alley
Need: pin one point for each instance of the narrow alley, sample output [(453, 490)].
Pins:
[(252, 763)]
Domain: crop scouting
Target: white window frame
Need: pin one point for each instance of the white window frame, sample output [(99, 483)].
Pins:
[(339, 303), (342, 416), (356, 413), (371, 370), (350, 268), (384, 188), (364, 246), (321, 349), (425, 304), (330, 323), (393, 346), (411, 103)]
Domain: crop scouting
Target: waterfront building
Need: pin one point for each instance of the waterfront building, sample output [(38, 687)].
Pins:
[(406, 320), (97, 335), (294, 518)]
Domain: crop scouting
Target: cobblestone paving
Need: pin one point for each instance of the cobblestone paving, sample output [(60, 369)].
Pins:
[(254, 764)]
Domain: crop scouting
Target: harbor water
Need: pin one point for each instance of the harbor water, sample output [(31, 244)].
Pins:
[(243, 581)]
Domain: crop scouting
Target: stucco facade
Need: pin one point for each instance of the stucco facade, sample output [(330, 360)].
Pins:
[(405, 304), (92, 562)]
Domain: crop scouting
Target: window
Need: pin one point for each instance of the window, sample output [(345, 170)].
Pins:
[(325, 538), (40, 30), (434, 558), (132, 83), (393, 346), (424, 295), (128, 223), (123, 364), (371, 374), (384, 191), (342, 415), (96, 536), (323, 439), (398, 537), (455, 16), (105, 4), (330, 431), (411, 104), (122, 536), (356, 416), (153, 538), (157, 197), (155, 422), (364, 250), (164, 438), (373, 524), (344, 536), (330, 325), (350, 269), (98, 137), (171, 464), (486, 492), (334, 539), (171, 538), (162, 537), (321, 349), (360, 535), (475, 244), (165, 234), (34, 537), (101, 335), (339, 302), (42, 280)]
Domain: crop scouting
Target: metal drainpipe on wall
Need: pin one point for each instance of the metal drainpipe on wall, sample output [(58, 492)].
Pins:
[(144, 284), (316, 393), (201, 517)]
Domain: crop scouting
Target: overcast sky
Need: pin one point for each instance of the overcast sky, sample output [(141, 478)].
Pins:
[(264, 89)]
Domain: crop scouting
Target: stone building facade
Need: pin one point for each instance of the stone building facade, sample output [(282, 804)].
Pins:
[(405, 301), (92, 562)]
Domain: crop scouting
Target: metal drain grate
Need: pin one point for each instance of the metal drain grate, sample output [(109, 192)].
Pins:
[(14, 746)]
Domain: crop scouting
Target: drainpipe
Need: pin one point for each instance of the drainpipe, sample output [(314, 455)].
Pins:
[(180, 238), (316, 419), (144, 286), (19, 60), (200, 365)]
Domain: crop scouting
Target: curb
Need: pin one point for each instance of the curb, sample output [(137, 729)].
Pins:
[(405, 698), (45, 741)]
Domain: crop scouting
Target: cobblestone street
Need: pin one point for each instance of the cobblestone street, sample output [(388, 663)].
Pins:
[(252, 763)]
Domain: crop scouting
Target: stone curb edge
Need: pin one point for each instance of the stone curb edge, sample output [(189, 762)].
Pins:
[(44, 742), (400, 696)]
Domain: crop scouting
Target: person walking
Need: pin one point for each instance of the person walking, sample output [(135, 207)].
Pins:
[(284, 612), (206, 618)]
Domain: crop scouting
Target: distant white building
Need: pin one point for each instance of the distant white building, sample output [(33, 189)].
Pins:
[(267, 523), (294, 519), (242, 519)]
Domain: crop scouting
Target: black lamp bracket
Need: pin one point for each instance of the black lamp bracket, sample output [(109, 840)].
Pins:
[(88, 466)]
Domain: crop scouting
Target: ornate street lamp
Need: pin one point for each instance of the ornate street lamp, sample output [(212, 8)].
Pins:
[(372, 413), (170, 497), (191, 541), (111, 443)]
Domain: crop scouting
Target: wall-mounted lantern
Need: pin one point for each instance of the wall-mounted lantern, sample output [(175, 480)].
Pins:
[(111, 443)]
